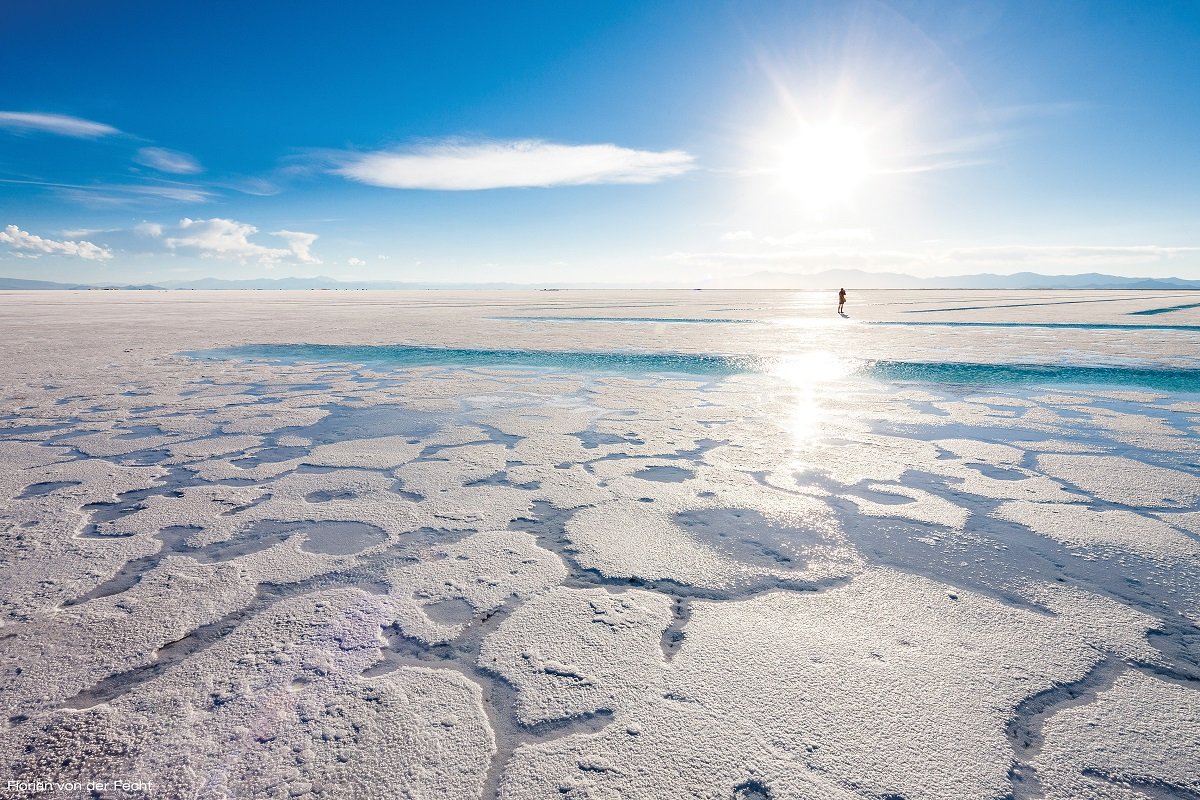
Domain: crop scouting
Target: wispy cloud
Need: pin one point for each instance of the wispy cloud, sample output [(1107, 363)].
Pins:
[(179, 192), (230, 239), (165, 160), (79, 233), (463, 165), (110, 194), (259, 187), (61, 124), (115, 195), (26, 244)]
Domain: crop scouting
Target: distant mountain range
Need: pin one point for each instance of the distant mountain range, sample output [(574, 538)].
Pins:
[(9, 284), (829, 279)]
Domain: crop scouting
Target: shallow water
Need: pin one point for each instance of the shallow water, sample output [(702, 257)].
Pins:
[(714, 365)]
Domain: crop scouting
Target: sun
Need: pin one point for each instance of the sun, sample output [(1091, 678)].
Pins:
[(823, 164)]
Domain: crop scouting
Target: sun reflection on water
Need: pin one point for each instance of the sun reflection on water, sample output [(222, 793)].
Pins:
[(807, 376), (814, 367)]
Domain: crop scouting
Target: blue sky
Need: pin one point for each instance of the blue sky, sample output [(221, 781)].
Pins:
[(667, 141)]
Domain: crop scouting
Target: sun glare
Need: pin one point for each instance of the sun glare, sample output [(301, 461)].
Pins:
[(823, 164), (805, 375), (807, 369)]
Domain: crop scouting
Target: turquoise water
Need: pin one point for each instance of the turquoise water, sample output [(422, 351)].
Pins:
[(1171, 380), (415, 356), (709, 365)]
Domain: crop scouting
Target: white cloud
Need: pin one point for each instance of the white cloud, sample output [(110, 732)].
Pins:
[(164, 160), (382, 257), (230, 239), (356, 262), (63, 125), (27, 244), (300, 244), (737, 236), (151, 229), (460, 165)]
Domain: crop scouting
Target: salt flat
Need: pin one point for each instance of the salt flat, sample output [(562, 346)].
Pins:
[(601, 544)]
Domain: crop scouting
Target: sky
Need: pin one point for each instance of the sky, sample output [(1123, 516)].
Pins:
[(678, 142)]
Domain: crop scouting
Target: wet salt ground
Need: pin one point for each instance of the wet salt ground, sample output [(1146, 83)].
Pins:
[(551, 580)]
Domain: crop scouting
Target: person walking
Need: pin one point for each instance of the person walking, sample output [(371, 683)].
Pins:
[(841, 301)]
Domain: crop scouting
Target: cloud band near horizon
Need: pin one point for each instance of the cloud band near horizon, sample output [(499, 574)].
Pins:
[(455, 165)]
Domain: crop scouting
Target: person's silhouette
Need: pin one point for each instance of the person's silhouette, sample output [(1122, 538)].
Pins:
[(841, 301)]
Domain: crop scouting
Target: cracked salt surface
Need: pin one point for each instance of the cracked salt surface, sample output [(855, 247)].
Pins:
[(590, 578)]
